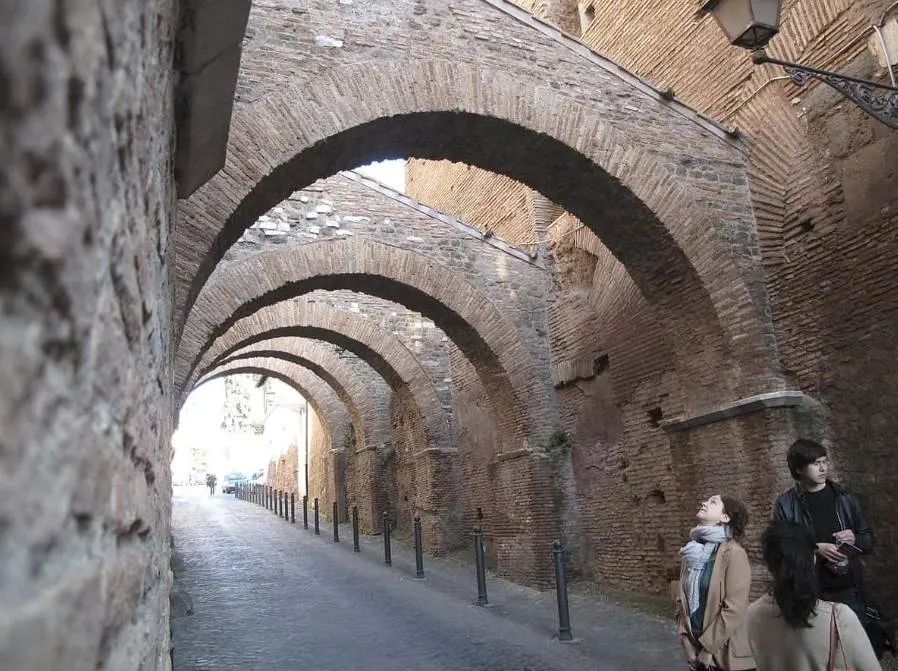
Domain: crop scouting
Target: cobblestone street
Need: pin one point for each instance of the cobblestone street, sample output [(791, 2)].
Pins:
[(270, 595)]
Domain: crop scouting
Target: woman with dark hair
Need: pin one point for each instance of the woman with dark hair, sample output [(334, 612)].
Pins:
[(791, 629), (715, 578)]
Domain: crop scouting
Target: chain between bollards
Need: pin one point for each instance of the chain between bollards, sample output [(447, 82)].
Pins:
[(292, 507), (388, 556), (355, 528), (305, 511), (419, 549), (564, 616), (336, 523), (315, 509), (482, 599)]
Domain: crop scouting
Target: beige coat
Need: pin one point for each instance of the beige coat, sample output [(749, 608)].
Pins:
[(724, 632), (779, 647)]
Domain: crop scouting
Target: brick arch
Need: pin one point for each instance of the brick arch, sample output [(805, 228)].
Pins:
[(380, 350), (465, 314), (324, 401), (358, 395), (669, 199)]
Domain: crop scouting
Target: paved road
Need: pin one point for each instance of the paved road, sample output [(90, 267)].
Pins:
[(270, 596)]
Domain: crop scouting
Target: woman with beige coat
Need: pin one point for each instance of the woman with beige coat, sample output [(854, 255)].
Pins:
[(712, 599), (791, 629)]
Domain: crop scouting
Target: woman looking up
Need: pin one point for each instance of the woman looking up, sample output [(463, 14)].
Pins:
[(715, 578)]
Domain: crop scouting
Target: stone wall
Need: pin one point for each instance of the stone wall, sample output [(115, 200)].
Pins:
[(86, 208)]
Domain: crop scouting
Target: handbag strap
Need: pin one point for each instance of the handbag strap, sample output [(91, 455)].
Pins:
[(835, 641)]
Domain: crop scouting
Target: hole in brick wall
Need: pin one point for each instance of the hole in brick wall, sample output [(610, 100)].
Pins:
[(657, 497), (655, 416), (589, 13), (600, 365), (806, 225)]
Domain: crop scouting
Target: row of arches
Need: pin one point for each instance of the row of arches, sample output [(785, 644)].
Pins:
[(664, 190)]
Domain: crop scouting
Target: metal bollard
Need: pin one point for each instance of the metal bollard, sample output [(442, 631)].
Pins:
[(292, 507), (482, 599), (355, 528), (305, 511), (286, 510), (388, 555), (336, 524), (564, 615), (419, 549), (277, 502), (315, 505)]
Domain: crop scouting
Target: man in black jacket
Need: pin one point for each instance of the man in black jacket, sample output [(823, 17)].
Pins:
[(834, 515)]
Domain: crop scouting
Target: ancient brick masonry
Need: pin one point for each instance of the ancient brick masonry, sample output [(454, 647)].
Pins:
[(825, 208), (713, 181), (86, 216)]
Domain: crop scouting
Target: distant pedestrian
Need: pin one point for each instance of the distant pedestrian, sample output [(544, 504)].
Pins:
[(712, 600), (792, 629), (211, 481)]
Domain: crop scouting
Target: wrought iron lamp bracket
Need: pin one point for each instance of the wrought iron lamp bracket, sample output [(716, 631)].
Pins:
[(880, 102)]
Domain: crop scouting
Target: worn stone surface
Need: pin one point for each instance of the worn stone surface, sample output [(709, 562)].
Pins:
[(244, 601), (86, 213)]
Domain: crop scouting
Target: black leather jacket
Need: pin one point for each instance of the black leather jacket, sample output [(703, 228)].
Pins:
[(793, 507)]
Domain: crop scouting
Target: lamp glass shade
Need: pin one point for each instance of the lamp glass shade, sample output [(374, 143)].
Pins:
[(747, 23)]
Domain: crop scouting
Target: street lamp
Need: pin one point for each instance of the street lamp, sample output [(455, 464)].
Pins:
[(751, 24)]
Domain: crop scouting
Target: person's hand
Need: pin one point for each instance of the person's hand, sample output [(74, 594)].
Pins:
[(688, 650), (830, 552), (705, 659), (846, 536)]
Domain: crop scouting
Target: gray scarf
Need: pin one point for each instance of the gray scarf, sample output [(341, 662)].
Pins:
[(703, 540)]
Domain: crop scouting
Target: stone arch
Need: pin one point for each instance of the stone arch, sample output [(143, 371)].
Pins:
[(323, 400), (330, 456), (665, 195), (359, 395), (392, 360), (490, 341)]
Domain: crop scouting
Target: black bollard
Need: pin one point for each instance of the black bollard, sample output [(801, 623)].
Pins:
[(481, 566), (355, 528), (292, 507), (388, 555), (336, 524), (277, 502), (286, 509), (564, 615), (315, 506), (305, 511), (419, 550)]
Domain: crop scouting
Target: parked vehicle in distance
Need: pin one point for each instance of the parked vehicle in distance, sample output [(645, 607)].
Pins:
[(258, 477), (231, 480)]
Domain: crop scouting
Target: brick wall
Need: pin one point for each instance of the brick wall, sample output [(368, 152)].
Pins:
[(86, 209), (824, 194)]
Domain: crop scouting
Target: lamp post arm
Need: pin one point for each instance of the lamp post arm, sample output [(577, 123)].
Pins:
[(877, 100)]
